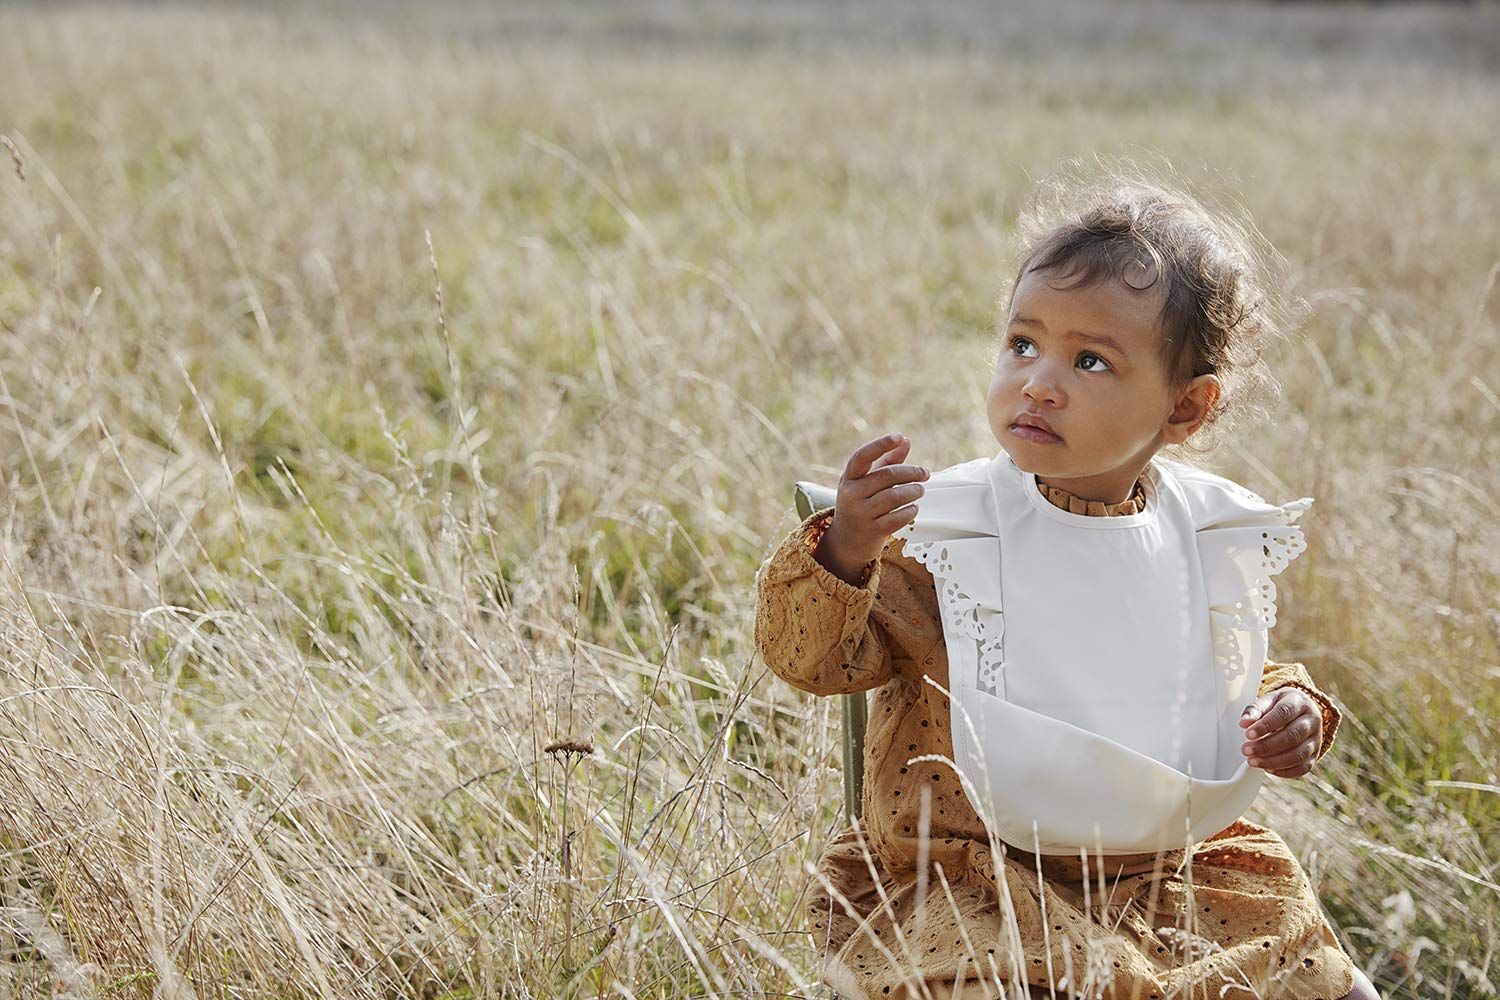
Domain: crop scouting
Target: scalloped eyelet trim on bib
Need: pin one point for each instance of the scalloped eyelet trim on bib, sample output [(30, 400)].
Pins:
[(1256, 608), (960, 612)]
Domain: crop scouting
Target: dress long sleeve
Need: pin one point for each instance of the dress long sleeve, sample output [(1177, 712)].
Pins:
[(813, 629), (1278, 675)]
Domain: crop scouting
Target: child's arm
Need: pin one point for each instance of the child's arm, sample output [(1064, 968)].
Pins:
[(1295, 675), (813, 629), (813, 625)]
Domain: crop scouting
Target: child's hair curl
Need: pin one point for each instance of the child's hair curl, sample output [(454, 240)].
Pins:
[(1224, 300)]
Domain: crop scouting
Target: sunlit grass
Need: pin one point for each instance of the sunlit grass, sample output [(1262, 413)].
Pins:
[(303, 573)]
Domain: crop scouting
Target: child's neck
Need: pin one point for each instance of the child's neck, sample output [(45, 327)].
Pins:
[(1113, 487), (1059, 497), (1110, 485), (1106, 489)]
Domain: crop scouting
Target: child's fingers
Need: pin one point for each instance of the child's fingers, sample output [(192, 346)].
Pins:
[(870, 488), (1297, 759), (864, 456), (890, 499), (887, 523), (1306, 726), (893, 456), (1265, 714)]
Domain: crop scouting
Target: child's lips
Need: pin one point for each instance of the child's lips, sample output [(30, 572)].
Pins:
[(1034, 434)]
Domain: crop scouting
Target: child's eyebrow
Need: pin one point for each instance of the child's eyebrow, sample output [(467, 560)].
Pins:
[(1093, 338)]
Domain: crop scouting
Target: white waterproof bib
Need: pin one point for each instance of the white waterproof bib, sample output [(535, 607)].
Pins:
[(1098, 665)]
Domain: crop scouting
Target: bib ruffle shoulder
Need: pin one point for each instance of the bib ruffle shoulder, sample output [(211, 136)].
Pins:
[(956, 535), (1243, 542)]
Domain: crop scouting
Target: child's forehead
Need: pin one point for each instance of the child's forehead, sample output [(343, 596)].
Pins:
[(1108, 300)]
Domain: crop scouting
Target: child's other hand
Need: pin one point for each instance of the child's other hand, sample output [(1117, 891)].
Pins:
[(1284, 732), (875, 497)]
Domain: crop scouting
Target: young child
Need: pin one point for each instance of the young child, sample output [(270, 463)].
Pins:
[(1093, 694)]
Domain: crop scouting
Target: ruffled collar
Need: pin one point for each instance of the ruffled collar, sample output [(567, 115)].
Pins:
[(1133, 504)]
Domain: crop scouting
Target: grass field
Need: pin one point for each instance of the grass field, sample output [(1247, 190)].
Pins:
[(388, 392)]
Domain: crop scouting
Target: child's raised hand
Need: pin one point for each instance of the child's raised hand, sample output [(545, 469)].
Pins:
[(1285, 731), (874, 499)]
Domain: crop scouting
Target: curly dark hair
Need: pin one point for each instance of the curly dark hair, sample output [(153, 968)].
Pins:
[(1224, 301)]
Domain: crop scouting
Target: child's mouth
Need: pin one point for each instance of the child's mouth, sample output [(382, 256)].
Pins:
[(1034, 434)]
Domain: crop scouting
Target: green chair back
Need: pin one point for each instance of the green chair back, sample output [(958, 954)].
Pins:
[(810, 498)]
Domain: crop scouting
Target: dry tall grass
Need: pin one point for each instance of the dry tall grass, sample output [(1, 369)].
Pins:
[(309, 552)]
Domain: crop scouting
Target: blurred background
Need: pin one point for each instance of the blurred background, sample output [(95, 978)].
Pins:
[(397, 400)]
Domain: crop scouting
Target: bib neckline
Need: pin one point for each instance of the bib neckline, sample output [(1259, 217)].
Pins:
[(1149, 484)]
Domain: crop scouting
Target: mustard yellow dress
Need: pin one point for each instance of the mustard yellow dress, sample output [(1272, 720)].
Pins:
[(1235, 917)]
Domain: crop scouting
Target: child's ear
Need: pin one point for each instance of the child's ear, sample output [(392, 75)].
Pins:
[(1194, 402)]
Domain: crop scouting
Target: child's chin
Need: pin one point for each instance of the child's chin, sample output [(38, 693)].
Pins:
[(1025, 458)]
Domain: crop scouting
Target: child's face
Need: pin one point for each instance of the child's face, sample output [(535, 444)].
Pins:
[(1110, 405)]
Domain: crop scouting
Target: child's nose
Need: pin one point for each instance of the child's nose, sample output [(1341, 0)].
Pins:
[(1042, 386)]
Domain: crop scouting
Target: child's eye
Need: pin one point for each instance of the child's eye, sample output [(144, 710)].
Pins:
[(1086, 354)]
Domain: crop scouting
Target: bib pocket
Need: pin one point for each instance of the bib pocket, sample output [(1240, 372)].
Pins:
[(1047, 786)]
